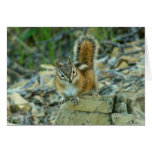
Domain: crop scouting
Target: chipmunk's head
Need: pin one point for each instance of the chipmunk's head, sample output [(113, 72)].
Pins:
[(66, 71)]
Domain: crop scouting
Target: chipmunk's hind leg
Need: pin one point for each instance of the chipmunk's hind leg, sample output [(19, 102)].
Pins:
[(95, 89)]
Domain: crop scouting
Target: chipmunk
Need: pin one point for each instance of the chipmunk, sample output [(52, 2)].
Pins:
[(74, 79)]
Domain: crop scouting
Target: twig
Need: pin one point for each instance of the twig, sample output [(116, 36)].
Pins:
[(115, 44), (134, 52), (125, 36), (84, 31)]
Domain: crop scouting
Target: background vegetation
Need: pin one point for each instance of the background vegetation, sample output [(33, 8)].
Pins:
[(30, 47)]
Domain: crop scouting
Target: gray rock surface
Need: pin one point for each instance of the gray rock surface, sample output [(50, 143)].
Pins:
[(122, 119), (92, 104), (91, 110)]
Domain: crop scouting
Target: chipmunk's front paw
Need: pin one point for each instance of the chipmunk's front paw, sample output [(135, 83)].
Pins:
[(75, 100), (62, 100)]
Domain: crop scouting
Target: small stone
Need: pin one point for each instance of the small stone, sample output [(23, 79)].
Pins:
[(91, 104), (122, 119), (101, 85), (125, 71), (91, 110), (36, 120), (123, 65), (120, 104), (127, 59), (19, 84), (101, 60), (109, 90), (33, 86), (122, 108), (37, 113), (38, 99), (115, 52), (46, 78), (112, 61), (19, 102), (47, 66), (139, 116)]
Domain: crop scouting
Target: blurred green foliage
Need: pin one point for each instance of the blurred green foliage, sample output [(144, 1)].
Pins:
[(32, 46)]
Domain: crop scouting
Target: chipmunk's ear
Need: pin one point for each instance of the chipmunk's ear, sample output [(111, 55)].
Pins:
[(70, 61), (58, 64)]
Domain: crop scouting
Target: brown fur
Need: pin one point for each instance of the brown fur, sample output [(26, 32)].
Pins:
[(85, 51), (88, 81)]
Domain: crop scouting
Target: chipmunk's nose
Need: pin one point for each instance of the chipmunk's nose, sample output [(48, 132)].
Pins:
[(70, 81)]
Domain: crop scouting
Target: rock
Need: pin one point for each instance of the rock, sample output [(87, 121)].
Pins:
[(101, 85), (112, 61), (53, 99), (19, 84), (36, 120), (109, 90), (121, 107), (139, 117), (71, 117), (131, 100), (47, 67), (46, 73), (123, 65), (121, 102), (91, 110), (36, 112), (46, 78), (33, 86), (19, 102), (137, 73), (115, 52), (127, 60), (122, 119), (52, 120), (101, 60), (38, 99), (17, 119), (139, 100), (91, 104), (125, 71)]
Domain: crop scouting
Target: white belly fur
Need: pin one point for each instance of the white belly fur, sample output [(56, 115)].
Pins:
[(70, 90)]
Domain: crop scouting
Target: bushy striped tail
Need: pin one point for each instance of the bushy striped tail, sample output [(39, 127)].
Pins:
[(85, 50)]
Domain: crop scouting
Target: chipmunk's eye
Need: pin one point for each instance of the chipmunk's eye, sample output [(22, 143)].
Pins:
[(62, 76), (74, 72)]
